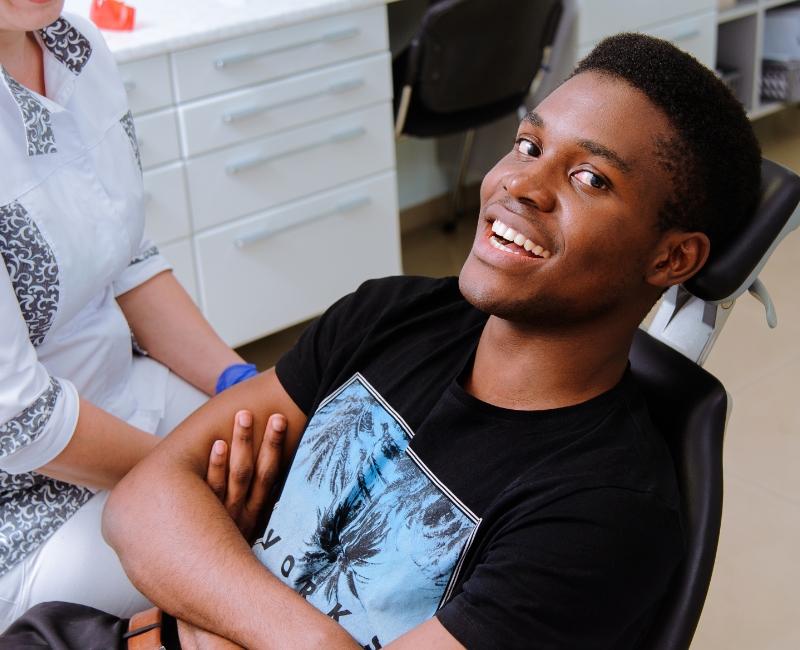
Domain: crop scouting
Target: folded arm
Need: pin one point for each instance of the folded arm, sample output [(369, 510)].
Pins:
[(180, 547)]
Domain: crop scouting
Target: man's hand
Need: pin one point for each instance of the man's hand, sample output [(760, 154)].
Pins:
[(243, 490)]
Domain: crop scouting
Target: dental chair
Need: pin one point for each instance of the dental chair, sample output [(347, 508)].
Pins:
[(688, 405)]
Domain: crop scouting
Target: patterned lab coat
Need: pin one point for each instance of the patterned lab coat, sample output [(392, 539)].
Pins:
[(71, 240)]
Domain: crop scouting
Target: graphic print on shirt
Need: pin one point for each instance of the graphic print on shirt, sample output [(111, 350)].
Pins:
[(363, 530), (66, 44), (38, 128), (32, 268)]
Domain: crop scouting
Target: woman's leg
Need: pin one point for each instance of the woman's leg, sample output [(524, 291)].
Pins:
[(74, 565)]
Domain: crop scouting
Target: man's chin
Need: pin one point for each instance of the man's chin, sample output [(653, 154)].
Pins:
[(541, 310)]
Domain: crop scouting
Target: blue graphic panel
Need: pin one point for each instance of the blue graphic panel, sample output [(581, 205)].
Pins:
[(363, 530)]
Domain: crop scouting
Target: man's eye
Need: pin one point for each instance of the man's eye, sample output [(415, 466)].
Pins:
[(588, 178), (528, 148)]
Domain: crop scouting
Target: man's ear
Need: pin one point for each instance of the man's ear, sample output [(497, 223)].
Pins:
[(677, 257)]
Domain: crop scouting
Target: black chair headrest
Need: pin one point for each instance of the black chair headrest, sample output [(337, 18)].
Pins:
[(732, 263), (475, 52)]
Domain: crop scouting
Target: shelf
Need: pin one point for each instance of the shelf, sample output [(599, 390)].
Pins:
[(768, 108), (739, 11), (773, 4)]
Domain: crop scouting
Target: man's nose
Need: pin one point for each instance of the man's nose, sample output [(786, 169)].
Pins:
[(532, 185)]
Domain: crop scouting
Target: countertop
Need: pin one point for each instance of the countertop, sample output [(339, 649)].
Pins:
[(168, 25)]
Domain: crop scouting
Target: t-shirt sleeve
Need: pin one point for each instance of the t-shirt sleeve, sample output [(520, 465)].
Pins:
[(331, 339), (584, 572), (302, 368)]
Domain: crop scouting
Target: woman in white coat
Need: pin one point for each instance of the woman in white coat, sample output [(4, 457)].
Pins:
[(80, 284)]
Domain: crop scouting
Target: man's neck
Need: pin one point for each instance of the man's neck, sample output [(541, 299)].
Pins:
[(522, 368)]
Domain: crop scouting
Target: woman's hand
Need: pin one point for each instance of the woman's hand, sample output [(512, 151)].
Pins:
[(243, 486)]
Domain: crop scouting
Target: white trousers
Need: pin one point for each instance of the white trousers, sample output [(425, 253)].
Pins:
[(75, 564)]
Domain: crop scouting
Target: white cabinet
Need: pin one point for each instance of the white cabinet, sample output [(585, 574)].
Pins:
[(238, 62), (157, 134), (234, 117), (283, 142), (283, 266), (166, 206), (147, 83), (241, 180)]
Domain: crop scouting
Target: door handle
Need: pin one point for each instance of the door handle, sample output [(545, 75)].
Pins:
[(330, 37), (247, 163), (269, 231)]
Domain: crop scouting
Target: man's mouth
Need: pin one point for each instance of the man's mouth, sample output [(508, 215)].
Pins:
[(509, 240)]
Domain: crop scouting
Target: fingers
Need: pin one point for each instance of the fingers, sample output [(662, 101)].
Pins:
[(267, 470), (240, 471), (217, 475)]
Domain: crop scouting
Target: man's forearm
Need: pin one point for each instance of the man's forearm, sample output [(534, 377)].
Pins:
[(180, 547), (200, 569)]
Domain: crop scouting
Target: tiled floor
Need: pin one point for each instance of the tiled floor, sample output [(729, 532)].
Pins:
[(754, 600)]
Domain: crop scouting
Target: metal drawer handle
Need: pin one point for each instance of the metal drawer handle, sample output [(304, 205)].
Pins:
[(685, 36), (236, 167), (129, 86), (248, 240), (335, 89), (330, 37)]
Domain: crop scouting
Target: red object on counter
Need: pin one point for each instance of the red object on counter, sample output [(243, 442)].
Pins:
[(112, 14)]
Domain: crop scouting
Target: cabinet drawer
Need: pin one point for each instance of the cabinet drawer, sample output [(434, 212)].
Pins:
[(166, 209), (147, 83), (597, 19), (247, 60), (157, 134), (282, 167), (294, 261), (181, 257), (222, 121), (696, 35)]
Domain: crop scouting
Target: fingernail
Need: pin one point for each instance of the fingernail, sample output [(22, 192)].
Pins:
[(245, 419), (219, 447), (279, 423)]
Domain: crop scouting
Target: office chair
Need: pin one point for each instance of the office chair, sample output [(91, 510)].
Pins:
[(689, 406), (470, 63)]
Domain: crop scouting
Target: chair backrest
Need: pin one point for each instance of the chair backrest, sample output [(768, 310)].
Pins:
[(473, 53), (688, 406), (730, 264)]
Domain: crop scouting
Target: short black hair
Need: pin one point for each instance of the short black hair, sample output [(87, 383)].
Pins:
[(714, 157)]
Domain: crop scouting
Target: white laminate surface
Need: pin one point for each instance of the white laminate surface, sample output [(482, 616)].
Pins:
[(167, 25)]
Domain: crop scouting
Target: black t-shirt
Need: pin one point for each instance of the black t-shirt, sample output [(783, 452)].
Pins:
[(409, 498)]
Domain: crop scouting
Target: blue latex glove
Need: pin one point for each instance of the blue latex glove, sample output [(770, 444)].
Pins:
[(234, 374)]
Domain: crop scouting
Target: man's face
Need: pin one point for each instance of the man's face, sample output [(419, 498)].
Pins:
[(583, 185)]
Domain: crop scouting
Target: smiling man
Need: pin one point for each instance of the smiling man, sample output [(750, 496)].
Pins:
[(473, 465)]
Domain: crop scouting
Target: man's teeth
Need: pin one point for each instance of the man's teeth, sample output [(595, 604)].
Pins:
[(511, 235)]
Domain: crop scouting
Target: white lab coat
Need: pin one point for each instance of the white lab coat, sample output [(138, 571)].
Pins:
[(71, 239)]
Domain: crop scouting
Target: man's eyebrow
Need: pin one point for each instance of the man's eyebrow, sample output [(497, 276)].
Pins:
[(534, 118), (598, 149)]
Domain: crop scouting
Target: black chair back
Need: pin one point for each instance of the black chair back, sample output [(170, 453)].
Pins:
[(473, 61), (688, 406)]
